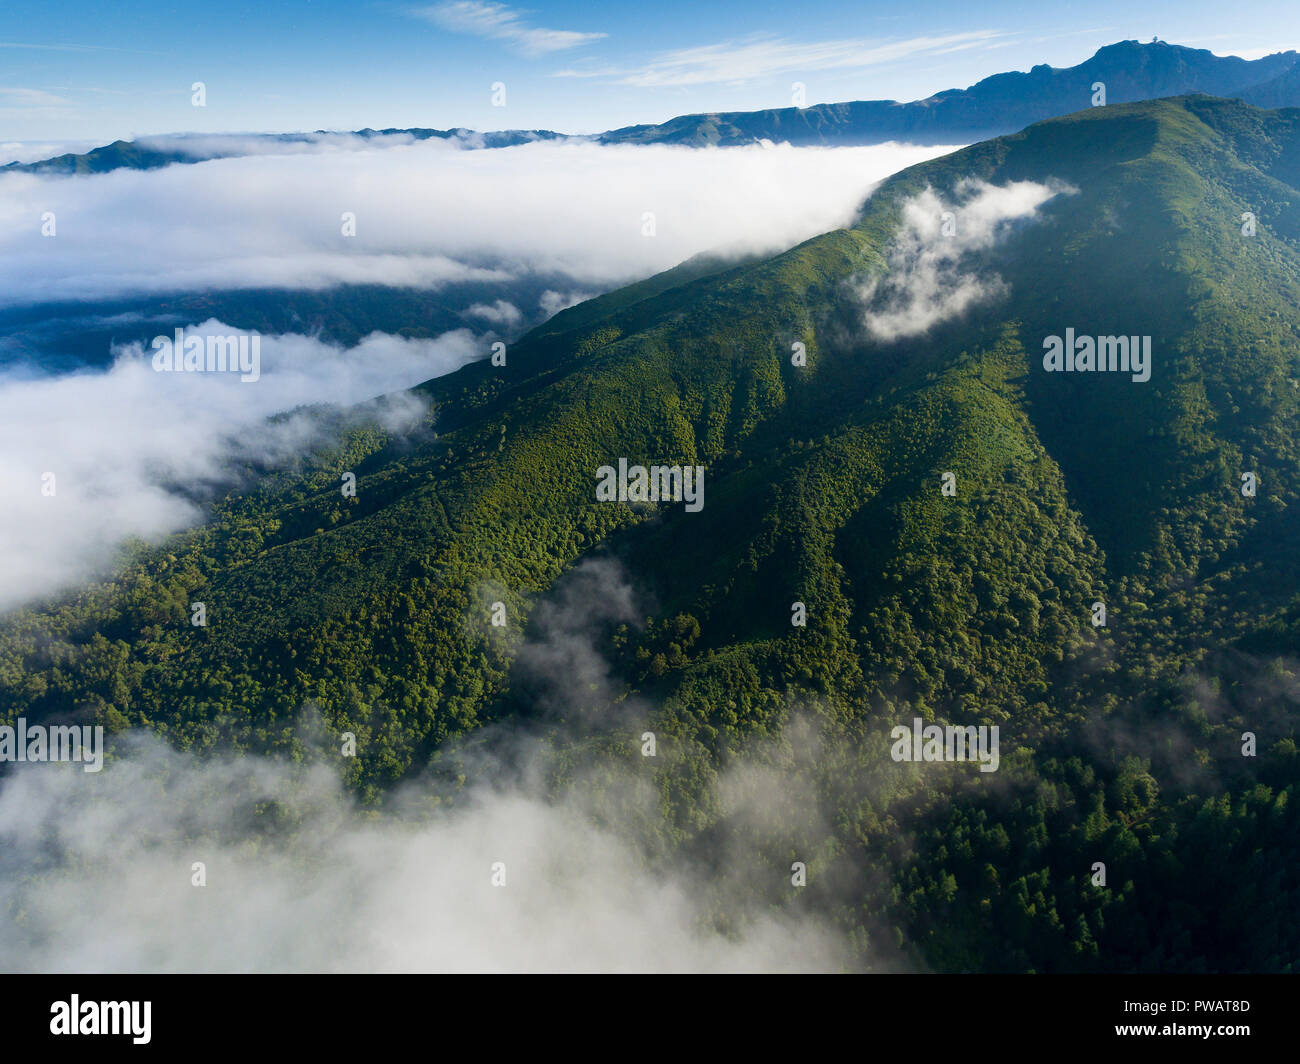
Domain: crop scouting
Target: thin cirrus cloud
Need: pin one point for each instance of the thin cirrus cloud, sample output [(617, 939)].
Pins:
[(499, 22), (734, 62), (66, 47), (17, 101), (32, 97), (90, 860)]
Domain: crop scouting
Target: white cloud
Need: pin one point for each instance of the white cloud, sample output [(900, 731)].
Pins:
[(498, 312), (25, 103), (426, 214), (100, 864), (553, 302), (119, 441), (499, 22), (734, 62), (924, 282), (344, 894), (37, 98), (222, 145)]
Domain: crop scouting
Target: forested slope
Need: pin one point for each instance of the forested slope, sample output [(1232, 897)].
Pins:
[(1121, 744)]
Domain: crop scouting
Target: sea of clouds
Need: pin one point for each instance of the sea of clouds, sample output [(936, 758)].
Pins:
[(426, 214), (120, 439), (165, 861)]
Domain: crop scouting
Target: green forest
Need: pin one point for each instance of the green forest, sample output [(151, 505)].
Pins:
[(1121, 744)]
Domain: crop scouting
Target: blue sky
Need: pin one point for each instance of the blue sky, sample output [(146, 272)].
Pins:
[(73, 69)]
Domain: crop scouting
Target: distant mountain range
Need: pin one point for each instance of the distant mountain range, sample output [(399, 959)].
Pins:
[(1000, 104), (1003, 103)]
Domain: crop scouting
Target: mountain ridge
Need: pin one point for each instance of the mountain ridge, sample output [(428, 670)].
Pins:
[(999, 104)]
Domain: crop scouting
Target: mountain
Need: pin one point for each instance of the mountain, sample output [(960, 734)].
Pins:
[(1122, 744), (997, 105), (1280, 91)]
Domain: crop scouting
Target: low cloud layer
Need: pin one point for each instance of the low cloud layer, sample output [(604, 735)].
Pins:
[(509, 873), (424, 215), (103, 875), (925, 282), (120, 441)]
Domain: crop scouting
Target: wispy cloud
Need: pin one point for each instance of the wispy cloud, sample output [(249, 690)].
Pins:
[(1104, 31), (482, 18), (109, 437), (31, 103), (536, 845), (31, 97), (926, 282), (499, 312), (91, 869), (764, 56), (26, 46)]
